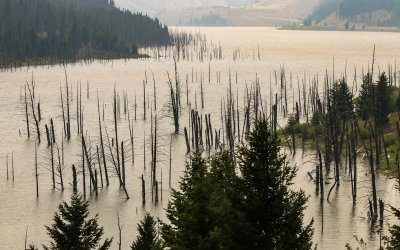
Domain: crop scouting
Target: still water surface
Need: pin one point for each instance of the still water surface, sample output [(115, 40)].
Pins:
[(302, 54)]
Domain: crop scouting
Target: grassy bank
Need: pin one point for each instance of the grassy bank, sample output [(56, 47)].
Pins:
[(309, 136)]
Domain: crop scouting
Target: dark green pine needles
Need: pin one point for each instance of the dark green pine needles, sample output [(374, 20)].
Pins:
[(245, 202), (148, 236), (72, 230)]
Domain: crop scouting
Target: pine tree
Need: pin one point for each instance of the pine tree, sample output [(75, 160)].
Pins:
[(205, 213), (383, 106), (274, 210), (222, 205), (392, 242), (72, 230), (365, 100), (148, 237), (187, 209), (342, 100)]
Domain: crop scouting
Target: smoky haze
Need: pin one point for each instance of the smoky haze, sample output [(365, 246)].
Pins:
[(153, 7)]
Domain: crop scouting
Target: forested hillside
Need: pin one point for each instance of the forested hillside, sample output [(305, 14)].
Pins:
[(379, 13), (41, 31), (351, 8)]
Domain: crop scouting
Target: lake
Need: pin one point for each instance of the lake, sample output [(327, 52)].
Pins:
[(303, 54)]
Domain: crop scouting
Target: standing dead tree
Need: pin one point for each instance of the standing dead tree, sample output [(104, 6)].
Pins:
[(36, 173), (114, 163), (102, 143), (173, 106), (89, 162), (27, 115), (33, 112), (68, 122)]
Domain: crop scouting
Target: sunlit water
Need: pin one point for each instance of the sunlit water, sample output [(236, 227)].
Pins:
[(302, 53)]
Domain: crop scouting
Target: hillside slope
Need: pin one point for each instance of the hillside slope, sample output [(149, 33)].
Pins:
[(153, 7), (260, 13), (355, 14)]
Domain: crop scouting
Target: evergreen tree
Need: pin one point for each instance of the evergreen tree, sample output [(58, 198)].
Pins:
[(72, 230), (342, 100), (365, 100), (222, 205), (58, 30), (148, 237), (383, 106), (205, 214), (274, 211), (187, 209), (392, 242)]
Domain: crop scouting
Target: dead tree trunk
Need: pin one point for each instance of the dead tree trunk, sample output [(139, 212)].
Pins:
[(27, 116), (36, 173), (102, 143), (116, 135), (34, 114), (74, 181)]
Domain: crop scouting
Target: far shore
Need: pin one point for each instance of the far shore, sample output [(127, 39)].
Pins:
[(331, 28)]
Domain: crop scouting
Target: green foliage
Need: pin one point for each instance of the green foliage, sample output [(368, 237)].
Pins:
[(365, 101), (317, 118), (72, 230), (350, 8), (386, 99), (73, 30), (292, 121), (32, 247), (342, 100), (148, 237), (222, 204), (383, 105), (210, 20), (392, 241), (362, 245), (324, 9), (274, 211), (202, 214)]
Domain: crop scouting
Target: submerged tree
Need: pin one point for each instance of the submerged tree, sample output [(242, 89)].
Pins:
[(148, 236), (73, 230)]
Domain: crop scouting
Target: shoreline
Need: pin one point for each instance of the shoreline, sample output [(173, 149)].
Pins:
[(39, 62), (323, 28)]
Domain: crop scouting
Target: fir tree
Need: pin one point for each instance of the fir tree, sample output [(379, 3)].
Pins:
[(187, 209), (383, 106), (148, 237), (365, 100), (270, 206), (342, 100), (72, 230), (205, 212), (392, 242)]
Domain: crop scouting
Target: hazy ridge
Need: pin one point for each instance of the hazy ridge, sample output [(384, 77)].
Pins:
[(223, 12)]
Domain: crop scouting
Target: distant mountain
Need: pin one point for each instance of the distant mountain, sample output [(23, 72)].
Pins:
[(156, 7), (353, 14), (153, 7), (223, 12)]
